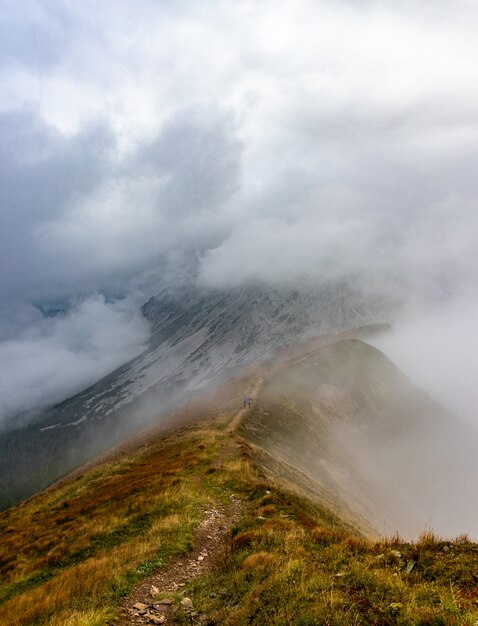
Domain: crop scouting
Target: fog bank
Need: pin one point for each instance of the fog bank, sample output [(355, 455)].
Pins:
[(437, 347), (51, 358), (231, 143)]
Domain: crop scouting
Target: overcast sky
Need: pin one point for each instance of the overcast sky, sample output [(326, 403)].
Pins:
[(242, 140)]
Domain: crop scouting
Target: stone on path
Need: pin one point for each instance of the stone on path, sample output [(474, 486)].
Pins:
[(164, 604), (154, 591), (187, 604)]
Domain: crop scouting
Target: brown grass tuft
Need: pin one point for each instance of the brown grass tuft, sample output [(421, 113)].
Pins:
[(428, 538), (243, 539), (356, 545), (299, 553), (267, 511), (462, 539), (259, 560), (324, 536)]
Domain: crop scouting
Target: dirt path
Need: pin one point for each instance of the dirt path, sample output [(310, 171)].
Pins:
[(288, 357), (236, 420), (141, 608)]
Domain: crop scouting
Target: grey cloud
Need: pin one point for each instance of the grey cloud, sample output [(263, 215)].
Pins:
[(42, 168), (54, 357), (32, 33), (437, 347), (15, 317), (305, 141), (199, 153), (75, 211), (76, 216), (41, 171), (395, 215)]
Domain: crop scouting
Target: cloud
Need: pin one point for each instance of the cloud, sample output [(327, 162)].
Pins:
[(54, 357), (81, 217), (274, 251), (31, 34), (42, 170), (237, 142), (77, 212), (437, 347)]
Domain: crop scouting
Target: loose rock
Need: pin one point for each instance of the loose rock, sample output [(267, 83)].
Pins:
[(163, 605), (210, 539), (154, 591), (187, 604)]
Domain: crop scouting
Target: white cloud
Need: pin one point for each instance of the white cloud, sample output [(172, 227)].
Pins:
[(438, 349), (266, 141), (54, 357), (274, 251)]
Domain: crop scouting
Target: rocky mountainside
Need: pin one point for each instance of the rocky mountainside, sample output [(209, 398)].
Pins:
[(199, 338)]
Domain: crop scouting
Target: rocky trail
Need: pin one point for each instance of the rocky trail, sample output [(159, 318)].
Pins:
[(141, 606)]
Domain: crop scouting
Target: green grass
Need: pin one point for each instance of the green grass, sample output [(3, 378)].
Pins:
[(81, 546), (69, 556), (289, 562)]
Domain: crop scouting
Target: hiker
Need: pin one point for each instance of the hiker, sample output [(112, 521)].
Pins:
[(244, 401), (249, 400)]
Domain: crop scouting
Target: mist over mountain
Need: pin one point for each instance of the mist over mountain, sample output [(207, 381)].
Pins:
[(199, 339), (172, 212), (279, 505), (307, 145), (340, 421), (437, 347)]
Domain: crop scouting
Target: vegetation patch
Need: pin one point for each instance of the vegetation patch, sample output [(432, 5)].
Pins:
[(299, 564), (69, 556)]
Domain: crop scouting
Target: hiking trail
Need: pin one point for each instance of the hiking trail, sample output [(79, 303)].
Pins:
[(140, 607), (236, 420)]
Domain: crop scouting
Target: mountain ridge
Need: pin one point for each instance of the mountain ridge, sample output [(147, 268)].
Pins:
[(299, 550), (200, 337)]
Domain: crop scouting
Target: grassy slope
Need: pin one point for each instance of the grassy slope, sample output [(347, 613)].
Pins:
[(85, 543), (68, 555), (334, 414)]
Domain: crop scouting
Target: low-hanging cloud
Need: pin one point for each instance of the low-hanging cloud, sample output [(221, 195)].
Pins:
[(348, 150), (313, 140), (81, 217), (54, 357), (437, 347), (275, 251), (79, 213)]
